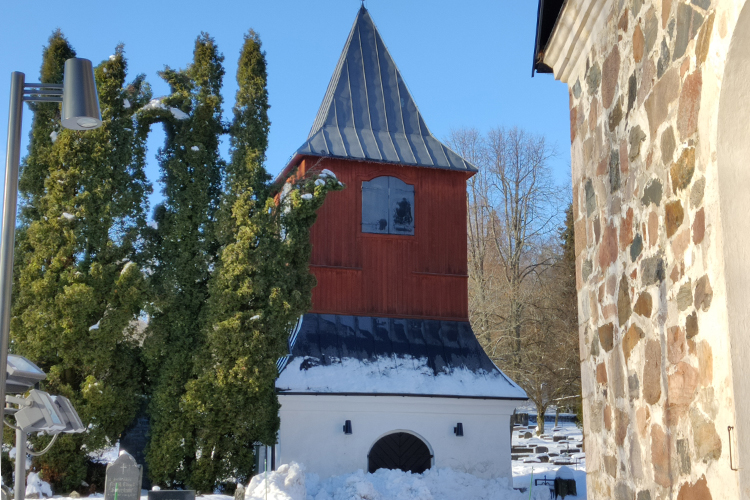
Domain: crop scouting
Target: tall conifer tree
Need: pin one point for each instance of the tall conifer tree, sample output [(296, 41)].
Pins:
[(260, 287), (79, 288), (182, 249)]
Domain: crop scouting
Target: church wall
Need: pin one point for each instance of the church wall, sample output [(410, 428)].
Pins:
[(651, 262), (312, 431)]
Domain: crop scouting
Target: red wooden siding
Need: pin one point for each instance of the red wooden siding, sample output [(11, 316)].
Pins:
[(421, 276)]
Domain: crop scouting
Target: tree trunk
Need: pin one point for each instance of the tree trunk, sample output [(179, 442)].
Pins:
[(540, 411)]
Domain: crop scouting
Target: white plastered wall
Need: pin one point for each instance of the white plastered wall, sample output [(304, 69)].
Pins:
[(733, 159), (312, 431)]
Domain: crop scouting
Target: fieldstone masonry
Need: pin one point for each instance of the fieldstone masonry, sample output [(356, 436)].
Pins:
[(657, 377)]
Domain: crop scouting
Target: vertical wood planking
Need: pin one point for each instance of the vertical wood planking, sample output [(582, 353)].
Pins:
[(423, 275)]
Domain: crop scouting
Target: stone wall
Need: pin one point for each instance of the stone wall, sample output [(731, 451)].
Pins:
[(657, 376)]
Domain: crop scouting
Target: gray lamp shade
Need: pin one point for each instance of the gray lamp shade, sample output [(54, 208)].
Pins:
[(80, 106)]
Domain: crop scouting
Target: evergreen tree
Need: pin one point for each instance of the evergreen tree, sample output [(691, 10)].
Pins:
[(182, 249), (260, 287), (79, 288)]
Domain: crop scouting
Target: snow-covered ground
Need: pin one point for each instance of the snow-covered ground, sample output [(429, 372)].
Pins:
[(290, 482), (530, 464)]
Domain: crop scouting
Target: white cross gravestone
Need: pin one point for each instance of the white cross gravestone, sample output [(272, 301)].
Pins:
[(123, 481)]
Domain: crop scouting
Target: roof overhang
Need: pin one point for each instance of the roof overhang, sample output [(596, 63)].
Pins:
[(400, 395), (571, 38)]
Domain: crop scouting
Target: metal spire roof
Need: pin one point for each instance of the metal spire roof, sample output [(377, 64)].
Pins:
[(369, 114)]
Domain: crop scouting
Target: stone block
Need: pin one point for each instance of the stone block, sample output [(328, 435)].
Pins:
[(651, 376), (608, 248), (703, 293), (610, 75), (704, 40), (630, 340), (638, 44), (683, 456), (623, 301), (663, 62), (690, 104), (696, 193), (610, 465), (683, 384), (667, 145), (626, 229), (593, 78), (636, 137), (691, 325), (652, 270), (652, 193), (657, 104), (682, 170), (590, 197), (673, 216), (676, 347), (685, 296), (644, 305), (636, 248), (705, 363), (651, 30), (660, 456), (614, 172), (697, 491), (621, 426), (601, 374), (699, 226), (606, 336)]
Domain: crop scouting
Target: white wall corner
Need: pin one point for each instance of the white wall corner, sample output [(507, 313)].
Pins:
[(577, 26)]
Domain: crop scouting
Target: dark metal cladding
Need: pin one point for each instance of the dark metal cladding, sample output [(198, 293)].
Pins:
[(369, 114), (323, 339)]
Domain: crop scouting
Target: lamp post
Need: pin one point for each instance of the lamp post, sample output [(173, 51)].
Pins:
[(80, 111)]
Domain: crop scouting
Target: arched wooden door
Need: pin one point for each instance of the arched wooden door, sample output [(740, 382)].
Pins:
[(399, 450)]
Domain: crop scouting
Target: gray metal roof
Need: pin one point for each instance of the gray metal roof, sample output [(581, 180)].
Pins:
[(369, 114)]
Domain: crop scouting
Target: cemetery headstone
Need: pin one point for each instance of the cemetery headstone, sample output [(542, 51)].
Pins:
[(239, 493), (123, 479), (171, 495)]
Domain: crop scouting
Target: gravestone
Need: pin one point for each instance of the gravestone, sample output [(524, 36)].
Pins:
[(171, 495), (123, 480)]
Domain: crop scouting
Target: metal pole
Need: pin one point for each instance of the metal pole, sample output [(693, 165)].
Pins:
[(12, 159), (20, 484)]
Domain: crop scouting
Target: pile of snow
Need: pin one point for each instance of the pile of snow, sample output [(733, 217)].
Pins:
[(35, 486), (290, 482), (392, 374)]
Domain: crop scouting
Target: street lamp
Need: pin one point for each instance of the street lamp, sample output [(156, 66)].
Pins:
[(80, 111)]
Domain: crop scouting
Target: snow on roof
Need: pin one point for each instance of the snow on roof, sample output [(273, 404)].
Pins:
[(338, 354), (368, 112), (393, 375)]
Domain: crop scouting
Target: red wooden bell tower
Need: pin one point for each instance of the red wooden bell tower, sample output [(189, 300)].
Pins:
[(393, 243)]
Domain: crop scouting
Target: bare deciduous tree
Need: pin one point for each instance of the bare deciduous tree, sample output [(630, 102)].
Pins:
[(516, 281)]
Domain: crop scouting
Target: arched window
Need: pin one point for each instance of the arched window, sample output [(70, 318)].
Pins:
[(387, 206)]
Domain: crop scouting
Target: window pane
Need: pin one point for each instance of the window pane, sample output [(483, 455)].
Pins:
[(402, 207), (375, 206)]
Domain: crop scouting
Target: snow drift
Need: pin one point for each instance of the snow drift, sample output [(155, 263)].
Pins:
[(290, 482)]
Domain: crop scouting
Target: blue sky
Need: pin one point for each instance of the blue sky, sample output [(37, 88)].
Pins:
[(467, 64)]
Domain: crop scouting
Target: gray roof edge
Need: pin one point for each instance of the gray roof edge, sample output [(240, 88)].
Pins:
[(282, 392), (306, 150)]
